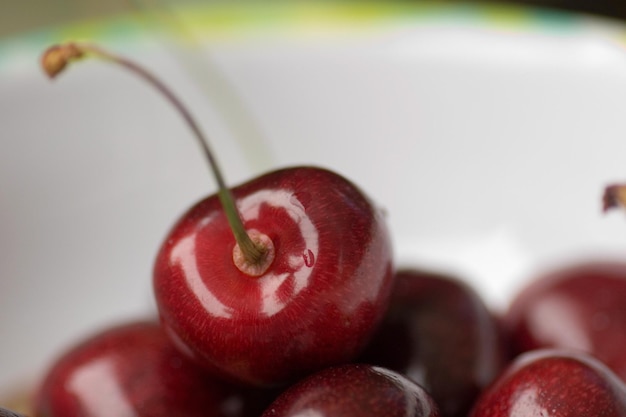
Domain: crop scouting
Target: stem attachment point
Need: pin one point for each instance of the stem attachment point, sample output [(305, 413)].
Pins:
[(266, 253)]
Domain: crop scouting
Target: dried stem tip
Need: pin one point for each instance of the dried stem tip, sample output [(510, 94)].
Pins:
[(56, 58), (614, 197)]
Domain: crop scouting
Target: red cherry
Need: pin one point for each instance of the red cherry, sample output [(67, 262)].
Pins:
[(580, 306), (280, 277), (440, 334), (554, 383), (316, 305), (354, 390), (134, 370)]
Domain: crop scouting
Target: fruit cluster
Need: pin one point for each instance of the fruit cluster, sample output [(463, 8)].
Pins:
[(279, 298)]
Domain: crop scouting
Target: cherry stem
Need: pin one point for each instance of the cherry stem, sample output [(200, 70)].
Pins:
[(57, 57)]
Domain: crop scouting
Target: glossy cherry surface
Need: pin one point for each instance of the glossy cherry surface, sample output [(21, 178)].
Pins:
[(317, 304), (354, 390), (132, 370), (440, 333), (581, 306), (554, 383)]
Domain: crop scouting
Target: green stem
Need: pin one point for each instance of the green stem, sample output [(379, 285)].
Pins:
[(57, 57)]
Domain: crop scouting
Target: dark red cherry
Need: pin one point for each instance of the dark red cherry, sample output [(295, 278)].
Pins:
[(440, 333), (354, 390), (132, 370), (317, 303), (554, 383), (277, 278), (580, 306)]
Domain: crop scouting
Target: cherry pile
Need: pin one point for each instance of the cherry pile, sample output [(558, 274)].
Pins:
[(279, 297)]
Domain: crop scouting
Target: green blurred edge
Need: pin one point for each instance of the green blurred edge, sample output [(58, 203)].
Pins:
[(231, 20)]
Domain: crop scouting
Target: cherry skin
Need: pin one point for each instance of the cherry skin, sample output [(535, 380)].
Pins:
[(132, 370), (316, 305), (354, 390), (580, 306), (554, 383), (439, 333)]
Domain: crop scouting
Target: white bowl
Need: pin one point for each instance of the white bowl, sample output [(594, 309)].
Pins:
[(486, 133)]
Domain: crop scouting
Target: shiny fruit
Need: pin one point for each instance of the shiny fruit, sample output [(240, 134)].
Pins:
[(132, 370), (579, 306), (354, 390), (316, 305), (277, 278), (554, 383), (440, 333)]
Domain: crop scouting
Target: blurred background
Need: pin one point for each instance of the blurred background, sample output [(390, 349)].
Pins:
[(486, 130)]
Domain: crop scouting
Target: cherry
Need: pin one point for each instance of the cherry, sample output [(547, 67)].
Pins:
[(272, 280), (132, 369), (554, 383), (354, 390), (317, 305), (440, 333), (580, 306)]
